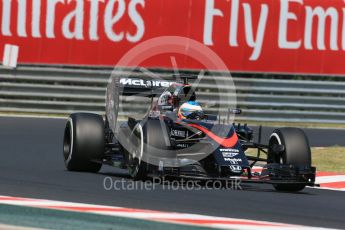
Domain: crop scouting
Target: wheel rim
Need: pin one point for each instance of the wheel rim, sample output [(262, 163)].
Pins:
[(68, 142), (275, 140), (137, 155)]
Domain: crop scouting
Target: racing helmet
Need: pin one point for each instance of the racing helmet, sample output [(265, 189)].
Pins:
[(190, 110)]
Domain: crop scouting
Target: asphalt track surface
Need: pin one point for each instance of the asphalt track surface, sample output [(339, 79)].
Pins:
[(31, 166)]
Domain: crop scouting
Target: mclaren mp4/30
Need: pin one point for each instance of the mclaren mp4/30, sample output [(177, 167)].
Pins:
[(177, 138)]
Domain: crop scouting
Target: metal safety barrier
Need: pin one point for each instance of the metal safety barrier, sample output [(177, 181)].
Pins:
[(63, 90)]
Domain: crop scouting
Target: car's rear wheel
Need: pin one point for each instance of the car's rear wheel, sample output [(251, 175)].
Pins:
[(296, 152), (148, 141), (136, 165), (83, 144)]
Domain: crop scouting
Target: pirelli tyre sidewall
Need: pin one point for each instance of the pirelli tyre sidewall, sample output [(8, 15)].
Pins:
[(84, 145), (296, 152)]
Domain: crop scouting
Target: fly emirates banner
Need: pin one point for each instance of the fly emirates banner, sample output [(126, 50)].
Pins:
[(285, 36)]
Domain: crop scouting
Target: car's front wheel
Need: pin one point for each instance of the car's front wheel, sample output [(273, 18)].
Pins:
[(296, 152)]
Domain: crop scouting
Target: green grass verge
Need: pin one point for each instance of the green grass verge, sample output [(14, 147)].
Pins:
[(328, 159), (293, 124), (33, 114)]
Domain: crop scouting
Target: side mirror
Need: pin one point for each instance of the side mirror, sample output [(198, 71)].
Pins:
[(235, 111)]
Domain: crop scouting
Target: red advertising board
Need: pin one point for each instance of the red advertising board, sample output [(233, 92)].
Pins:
[(288, 36)]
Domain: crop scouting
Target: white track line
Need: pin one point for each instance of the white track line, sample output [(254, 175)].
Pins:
[(330, 179), (149, 215), (332, 189), (12, 227)]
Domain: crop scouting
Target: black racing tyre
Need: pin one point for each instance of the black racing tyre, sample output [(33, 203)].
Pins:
[(149, 141), (156, 138), (83, 145), (296, 152)]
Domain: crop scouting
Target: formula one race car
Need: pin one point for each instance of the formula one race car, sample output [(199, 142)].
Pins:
[(177, 138)]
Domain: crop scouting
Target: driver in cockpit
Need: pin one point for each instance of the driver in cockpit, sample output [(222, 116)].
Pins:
[(191, 110)]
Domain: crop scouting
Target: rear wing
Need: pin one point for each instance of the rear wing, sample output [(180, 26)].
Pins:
[(144, 87), (149, 87)]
